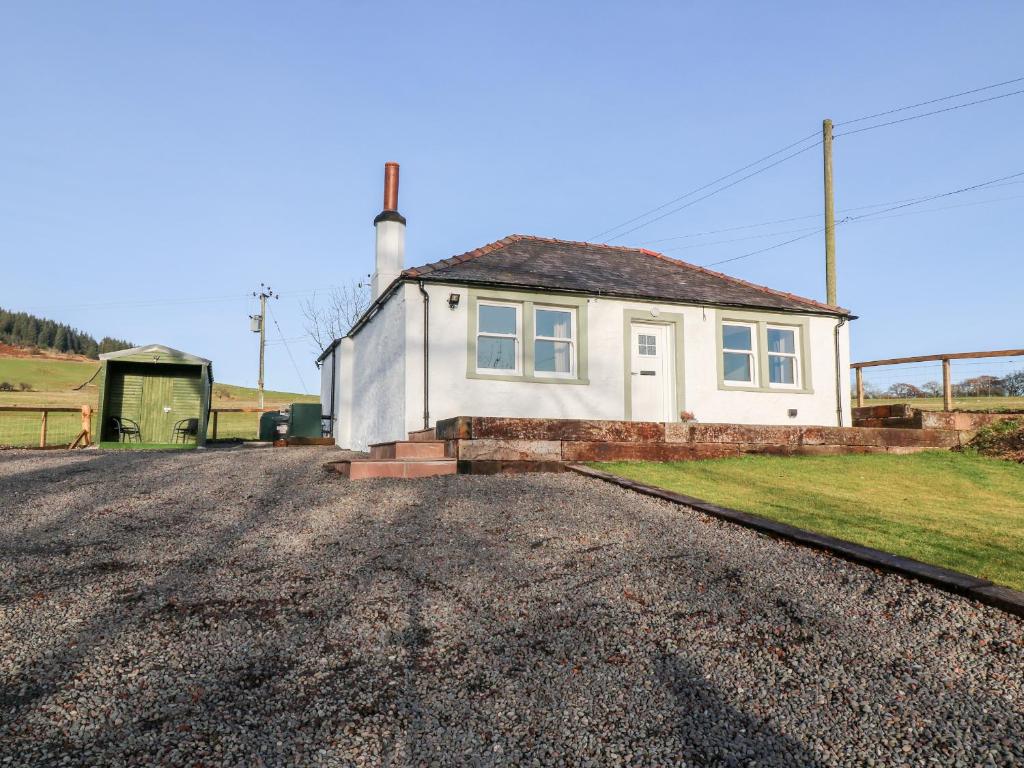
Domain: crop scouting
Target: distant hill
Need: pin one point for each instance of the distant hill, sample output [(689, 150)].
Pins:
[(22, 329)]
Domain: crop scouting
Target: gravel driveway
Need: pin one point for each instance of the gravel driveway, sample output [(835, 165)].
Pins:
[(243, 607)]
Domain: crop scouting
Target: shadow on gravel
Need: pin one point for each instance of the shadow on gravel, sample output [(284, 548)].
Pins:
[(273, 614)]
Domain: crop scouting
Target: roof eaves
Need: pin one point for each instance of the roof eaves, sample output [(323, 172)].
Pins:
[(831, 309)]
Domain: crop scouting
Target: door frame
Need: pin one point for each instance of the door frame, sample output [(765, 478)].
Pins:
[(674, 321)]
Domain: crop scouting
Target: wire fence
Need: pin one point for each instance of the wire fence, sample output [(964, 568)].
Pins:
[(40, 427), (990, 384)]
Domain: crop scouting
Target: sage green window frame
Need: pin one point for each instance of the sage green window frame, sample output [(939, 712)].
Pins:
[(761, 321), (527, 301), (644, 317)]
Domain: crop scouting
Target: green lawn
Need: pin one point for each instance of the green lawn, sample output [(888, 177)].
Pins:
[(959, 403), (955, 510)]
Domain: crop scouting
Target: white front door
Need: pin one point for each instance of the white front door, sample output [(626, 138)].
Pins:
[(651, 372)]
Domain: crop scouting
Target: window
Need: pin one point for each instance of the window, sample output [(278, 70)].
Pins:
[(738, 353), (647, 345), (527, 337), (497, 341), (783, 359), (554, 345)]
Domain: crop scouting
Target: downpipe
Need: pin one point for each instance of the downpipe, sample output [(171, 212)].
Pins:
[(426, 355), (839, 373)]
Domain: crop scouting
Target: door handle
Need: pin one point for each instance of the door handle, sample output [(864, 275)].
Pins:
[(648, 373)]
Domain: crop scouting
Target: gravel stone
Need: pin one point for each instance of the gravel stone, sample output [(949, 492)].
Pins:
[(246, 608)]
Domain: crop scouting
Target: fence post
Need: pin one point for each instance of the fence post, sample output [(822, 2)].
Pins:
[(87, 424), (42, 431), (947, 386), (860, 387), (215, 414)]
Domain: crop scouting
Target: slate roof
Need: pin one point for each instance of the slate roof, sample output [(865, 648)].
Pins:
[(526, 261)]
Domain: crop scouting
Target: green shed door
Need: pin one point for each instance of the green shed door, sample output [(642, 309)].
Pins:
[(157, 409)]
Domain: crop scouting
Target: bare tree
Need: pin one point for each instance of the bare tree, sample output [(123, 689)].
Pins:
[(331, 315)]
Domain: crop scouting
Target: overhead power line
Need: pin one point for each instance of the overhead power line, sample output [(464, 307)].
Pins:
[(701, 188), (640, 222), (817, 215), (849, 219), (714, 192), (930, 101), (928, 114), (288, 349)]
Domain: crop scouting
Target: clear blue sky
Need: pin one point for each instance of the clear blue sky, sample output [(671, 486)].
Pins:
[(159, 160)]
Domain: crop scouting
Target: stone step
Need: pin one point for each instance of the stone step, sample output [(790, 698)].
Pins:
[(408, 449), (422, 435), (363, 469)]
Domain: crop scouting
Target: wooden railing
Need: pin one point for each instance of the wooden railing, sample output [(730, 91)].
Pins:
[(947, 379), (84, 437), (215, 413)]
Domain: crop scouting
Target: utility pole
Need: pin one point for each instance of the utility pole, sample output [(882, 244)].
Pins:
[(258, 324), (830, 216)]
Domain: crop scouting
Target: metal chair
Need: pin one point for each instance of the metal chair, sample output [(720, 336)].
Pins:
[(184, 429), (126, 429)]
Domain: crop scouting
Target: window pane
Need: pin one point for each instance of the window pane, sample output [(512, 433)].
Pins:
[(497, 353), (497, 319), (552, 357), (648, 345), (736, 337), (780, 340), (737, 367), (552, 322), (781, 370)]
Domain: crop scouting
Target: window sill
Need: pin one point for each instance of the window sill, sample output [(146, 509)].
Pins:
[(525, 379), (726, 387)]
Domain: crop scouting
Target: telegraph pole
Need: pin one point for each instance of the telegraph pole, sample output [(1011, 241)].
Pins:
[(830, 216), (258, 324)]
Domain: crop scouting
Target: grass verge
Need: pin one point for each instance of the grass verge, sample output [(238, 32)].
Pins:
[(959, 511)]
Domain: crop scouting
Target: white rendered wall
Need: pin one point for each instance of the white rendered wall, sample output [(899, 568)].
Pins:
[(377, 378), (452, 394), (343, 355), (389, 260)]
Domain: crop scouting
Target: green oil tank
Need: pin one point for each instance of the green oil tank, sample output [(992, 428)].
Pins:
[(268, 425), (305, 420)]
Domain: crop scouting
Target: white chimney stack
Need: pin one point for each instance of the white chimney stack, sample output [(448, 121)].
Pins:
[(390, 226)]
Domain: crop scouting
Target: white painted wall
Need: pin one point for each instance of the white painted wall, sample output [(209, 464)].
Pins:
[(452, 394), (389, 258), (376, 379), (387, 376)]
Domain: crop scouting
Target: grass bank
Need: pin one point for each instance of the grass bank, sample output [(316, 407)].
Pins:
[(959, 511)]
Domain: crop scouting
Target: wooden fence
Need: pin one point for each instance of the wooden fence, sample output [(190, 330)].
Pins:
[(947, 379), (82, 439), (235, 429), (37, 426)]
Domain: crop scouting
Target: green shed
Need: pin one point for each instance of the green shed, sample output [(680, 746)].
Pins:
[(152, 394)]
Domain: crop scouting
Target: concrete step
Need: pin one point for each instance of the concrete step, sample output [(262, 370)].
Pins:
[(423, 435), (408, 449), (363, 469)]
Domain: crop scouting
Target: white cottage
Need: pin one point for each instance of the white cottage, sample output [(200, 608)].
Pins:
[(535, 327)]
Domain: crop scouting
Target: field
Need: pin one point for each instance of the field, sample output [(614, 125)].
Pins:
[(959, 403), (954, 510), (52, 382)]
